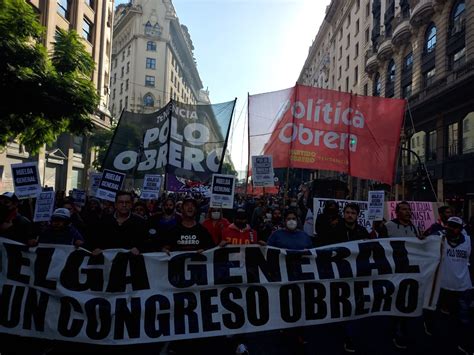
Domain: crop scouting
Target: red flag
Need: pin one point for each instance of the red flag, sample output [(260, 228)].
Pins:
[(312, 128)]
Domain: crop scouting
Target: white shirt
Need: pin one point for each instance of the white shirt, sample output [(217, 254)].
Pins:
[(455, 266)]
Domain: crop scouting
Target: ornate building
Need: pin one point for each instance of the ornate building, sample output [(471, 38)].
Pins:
[(152, 59), (423, 51)]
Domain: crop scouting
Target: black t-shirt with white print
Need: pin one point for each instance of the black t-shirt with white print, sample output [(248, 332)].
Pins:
[(181, 238)]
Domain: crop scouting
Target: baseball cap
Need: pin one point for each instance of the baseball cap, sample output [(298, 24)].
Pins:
[(10, 196), (61, 213), (455, 220)]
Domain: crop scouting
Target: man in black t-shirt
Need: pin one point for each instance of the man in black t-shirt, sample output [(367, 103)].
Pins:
[(188, 235)]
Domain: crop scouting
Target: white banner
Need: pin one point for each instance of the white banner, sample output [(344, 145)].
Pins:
[(151, 187), (26, 180), (222, 191), (58, 292), (376, 202), (44, 206), (262, 171), (363, 220)]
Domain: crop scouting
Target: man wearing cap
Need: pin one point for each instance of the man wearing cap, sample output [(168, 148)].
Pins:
[(12, 224), (455, 282), (188, 234), (61, 230)]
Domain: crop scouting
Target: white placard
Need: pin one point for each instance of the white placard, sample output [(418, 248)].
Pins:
[(44, 206), (26, 180), (262, 171), (222, 191), (94, 182), (376, 204), (110, 183), (151, 187)]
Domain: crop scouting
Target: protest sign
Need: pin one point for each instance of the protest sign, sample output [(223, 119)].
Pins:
[(94, 182), (222, 191), (121, 299), (376, 202), (262, 171), (44, 206), (151, 187), (26, 180), (79, 197), (363, 220), (422, 213), (110, 183)]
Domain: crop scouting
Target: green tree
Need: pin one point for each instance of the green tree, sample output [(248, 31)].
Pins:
[(43, 95)]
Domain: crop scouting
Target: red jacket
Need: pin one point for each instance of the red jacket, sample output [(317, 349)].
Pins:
[(215, 230), (236, 236)]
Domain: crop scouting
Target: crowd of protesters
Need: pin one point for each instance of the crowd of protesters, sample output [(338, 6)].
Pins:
[(184, 222)]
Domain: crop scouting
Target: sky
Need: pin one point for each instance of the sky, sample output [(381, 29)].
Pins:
[(248, 46)]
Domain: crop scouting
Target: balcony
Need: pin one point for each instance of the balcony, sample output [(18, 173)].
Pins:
[(385, 49), (371, 62), (402, 31), (422, 12)]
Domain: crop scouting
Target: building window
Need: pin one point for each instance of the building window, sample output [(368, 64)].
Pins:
[(122, 72), (121, 88), (408, 62), (348, 20), (151, 63), (149, 80), (347, 62), (428, 77), (115, 63), (90, 3), (356, 75), (126, 101), (87, 29), (430, 39), (120, 105), (453, 139), (356, 50), (347, 84), (340, 72), (148, 100), (458, 59), (123, 56), (468, 133), (431, 148), (348, 42), (128, 67), (126, 85), (129, 49), (406, 91), (340, 52), (458, 20), (377, 88), (357, 28), (64, 7), (367, 10), (148, 28), (113, 94), (367, 35), (151, 46), (366, 89), (115, 78), (390, 80)]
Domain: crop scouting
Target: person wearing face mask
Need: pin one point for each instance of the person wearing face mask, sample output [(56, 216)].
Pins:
[(239, 232), (272, 222), (290, 237), (215, 223), (327, 221)]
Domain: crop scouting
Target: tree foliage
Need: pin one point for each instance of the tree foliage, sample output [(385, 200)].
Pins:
[(43, 95)]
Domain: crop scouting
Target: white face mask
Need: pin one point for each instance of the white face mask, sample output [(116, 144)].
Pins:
[(291, 224), (215, 215), (268, 215)]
